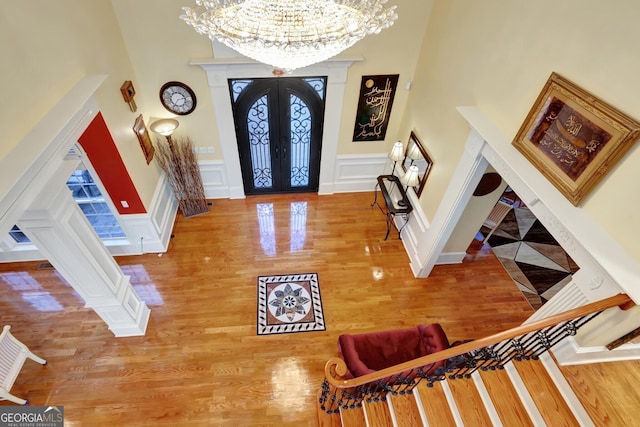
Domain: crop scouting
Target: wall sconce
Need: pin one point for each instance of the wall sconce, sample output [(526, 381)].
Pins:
[(165, 127), (396, 154)]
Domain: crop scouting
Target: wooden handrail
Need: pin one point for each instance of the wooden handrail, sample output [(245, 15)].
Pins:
[(336, 364)]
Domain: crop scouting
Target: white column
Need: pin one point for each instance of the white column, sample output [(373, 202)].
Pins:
[(57, 226), (464, 180)]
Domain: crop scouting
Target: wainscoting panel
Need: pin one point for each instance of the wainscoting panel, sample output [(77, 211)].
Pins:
[(151, 231), (214, 179), (146, 233), (358, 172), (353, 173)]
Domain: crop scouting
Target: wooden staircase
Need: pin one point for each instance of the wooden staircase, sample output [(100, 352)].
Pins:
[(506, 379), (525, 393)]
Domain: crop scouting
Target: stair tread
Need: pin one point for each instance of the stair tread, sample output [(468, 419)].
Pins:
[(470, 405), (435, 405), (378, 414), (548, 399), (353, 417), (505, 398), (328, 420), (405, 409), (324, 419)]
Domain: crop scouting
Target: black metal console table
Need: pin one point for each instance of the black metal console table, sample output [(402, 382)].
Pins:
[(395, 200)]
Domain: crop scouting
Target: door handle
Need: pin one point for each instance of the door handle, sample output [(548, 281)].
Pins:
[(276, 154), (284, 148)]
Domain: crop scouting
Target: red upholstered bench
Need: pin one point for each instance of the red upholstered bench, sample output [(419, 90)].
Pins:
[(370, 352)]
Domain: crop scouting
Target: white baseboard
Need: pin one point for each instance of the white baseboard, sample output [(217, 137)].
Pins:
[(451, 258), (567, 352)]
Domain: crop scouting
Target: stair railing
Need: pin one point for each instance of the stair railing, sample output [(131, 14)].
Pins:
[(525, 342)]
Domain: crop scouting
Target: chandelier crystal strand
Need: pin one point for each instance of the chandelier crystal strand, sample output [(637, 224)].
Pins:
[(289, 34)]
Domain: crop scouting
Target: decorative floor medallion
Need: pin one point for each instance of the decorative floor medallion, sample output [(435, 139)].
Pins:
[(289, 303)]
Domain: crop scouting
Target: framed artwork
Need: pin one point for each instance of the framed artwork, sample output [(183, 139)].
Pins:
[(574, 138), (374, 107), (416, 154), (142, 133)]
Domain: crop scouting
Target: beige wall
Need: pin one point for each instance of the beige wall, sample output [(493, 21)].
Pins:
[(493, 54), (49, 46), (56, 43), (472, 218), (393, 51), (161, 46), (497, 55)]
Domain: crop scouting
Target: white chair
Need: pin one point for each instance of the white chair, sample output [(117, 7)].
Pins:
[(12, 356), (499, 211)]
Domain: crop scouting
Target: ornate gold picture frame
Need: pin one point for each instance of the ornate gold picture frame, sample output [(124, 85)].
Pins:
[(574, 138)]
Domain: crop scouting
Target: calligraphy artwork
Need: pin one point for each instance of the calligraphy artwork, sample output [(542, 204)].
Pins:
[(568, 138), (574, 138), (374, 107)]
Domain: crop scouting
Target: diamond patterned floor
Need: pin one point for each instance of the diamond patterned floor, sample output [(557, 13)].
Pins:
[(534, 259)]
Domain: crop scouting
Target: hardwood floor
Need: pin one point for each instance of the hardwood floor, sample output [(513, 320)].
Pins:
[(201, 361)]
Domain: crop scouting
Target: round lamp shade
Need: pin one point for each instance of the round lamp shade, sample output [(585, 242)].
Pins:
[(414, 152), (411, 178), (397, 152), (164, 127)]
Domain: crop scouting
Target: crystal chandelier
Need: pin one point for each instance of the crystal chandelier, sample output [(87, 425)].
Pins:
[(289, 34)]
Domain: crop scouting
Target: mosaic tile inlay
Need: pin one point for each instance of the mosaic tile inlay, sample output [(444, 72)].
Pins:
[(289, 303), (532, 257)]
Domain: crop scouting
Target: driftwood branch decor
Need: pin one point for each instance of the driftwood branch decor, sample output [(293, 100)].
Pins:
[(178, 160)]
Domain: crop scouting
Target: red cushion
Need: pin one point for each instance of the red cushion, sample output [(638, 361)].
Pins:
[(370, 352), (433, 337)]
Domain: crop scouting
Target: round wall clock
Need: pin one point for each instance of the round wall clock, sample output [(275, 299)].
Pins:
[(178, 98)]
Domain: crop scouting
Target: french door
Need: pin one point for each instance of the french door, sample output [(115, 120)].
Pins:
[(279, 132)]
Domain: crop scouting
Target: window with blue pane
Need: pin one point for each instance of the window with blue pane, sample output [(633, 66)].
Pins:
[(18, 235), (93, 205)]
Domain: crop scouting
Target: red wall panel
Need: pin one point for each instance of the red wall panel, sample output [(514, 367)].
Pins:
[(105, 158)]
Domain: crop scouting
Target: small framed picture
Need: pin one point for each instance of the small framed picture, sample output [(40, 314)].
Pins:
[(142, 133)]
